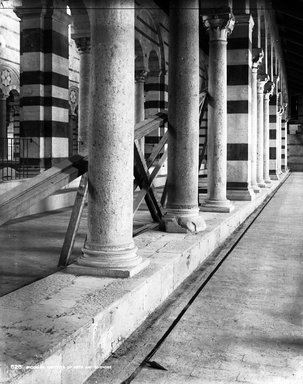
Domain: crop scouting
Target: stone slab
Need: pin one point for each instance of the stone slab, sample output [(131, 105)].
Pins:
[(64, 326)]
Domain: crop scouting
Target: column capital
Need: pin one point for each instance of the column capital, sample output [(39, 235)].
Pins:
[(140, 76), (263, 78), (258, 55), (269, 89), (219, 26), (83, 44)]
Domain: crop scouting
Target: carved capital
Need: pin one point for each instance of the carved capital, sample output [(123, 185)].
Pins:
[(140, 76), (269, 89), (258, 55), (262, 80), (219, 26), (83, 44)]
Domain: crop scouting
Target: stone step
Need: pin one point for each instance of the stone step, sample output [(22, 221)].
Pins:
[(59, 329)]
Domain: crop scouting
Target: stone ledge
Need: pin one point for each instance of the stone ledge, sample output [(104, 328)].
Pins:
[(61, 328)]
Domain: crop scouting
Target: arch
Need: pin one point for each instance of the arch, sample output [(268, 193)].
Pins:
[(140, 57), (153, 63), (146, 20)]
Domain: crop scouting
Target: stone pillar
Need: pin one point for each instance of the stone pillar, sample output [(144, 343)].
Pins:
[(257, 58), (219, 28), (44, 74), (140, 77), (262, 80), (83, 45), (279, 140), (284, 120), (183, 119), (268, 89), (3, 128), (109, 249), (273, 131), (239, 100)]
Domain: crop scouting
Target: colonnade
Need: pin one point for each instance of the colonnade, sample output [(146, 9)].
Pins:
[(239, 150)]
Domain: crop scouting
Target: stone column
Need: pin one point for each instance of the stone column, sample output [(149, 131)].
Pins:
[(279, 140), (268, 90), (83, 45), (262, 80), (183, 119), (3, 128), (284, 139), (140, 77), (219, 28), (257, 58), (109, 249), (44, 79)]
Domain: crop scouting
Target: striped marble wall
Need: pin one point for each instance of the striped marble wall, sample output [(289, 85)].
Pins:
[(239, 67), (284, 143), (273, 137), (44, 68)]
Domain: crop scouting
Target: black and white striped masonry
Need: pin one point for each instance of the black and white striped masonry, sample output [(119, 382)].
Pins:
[(44, 71), (239, 60)]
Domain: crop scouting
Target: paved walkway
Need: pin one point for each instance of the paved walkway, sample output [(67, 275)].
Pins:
[(246, 324)]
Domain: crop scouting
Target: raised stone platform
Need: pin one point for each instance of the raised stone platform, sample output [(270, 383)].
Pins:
[(61, 328)]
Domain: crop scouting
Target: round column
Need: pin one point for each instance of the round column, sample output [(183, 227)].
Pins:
[(83, 45), (218, 28), (279, 140), (183, 119), (254, 129), (3, 128), (268, 89), (140, 77), (262, 80), (109, 244)]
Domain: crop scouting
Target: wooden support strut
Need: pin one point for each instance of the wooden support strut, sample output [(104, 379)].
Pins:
[(143, 180)]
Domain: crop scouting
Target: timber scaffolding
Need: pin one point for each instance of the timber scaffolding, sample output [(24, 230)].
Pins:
[(20, 199)]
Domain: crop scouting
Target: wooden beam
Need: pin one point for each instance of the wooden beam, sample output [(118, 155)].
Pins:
[(18, 200)]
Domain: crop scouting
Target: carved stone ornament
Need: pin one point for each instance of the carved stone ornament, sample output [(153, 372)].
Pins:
[(219, 26), (140, 75), (263, 78), (83, 44), (6, 77), (269, 88), (258, 55), (73, 99)]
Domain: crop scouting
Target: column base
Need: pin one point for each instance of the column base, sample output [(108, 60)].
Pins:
[(212, 205), (241, 194), (256, 188), (262, 184), (183, 221), (275, 176), (111, 261), (85, 270)]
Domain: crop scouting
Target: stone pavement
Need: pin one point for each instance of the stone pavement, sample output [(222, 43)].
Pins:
[(246, 324)]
